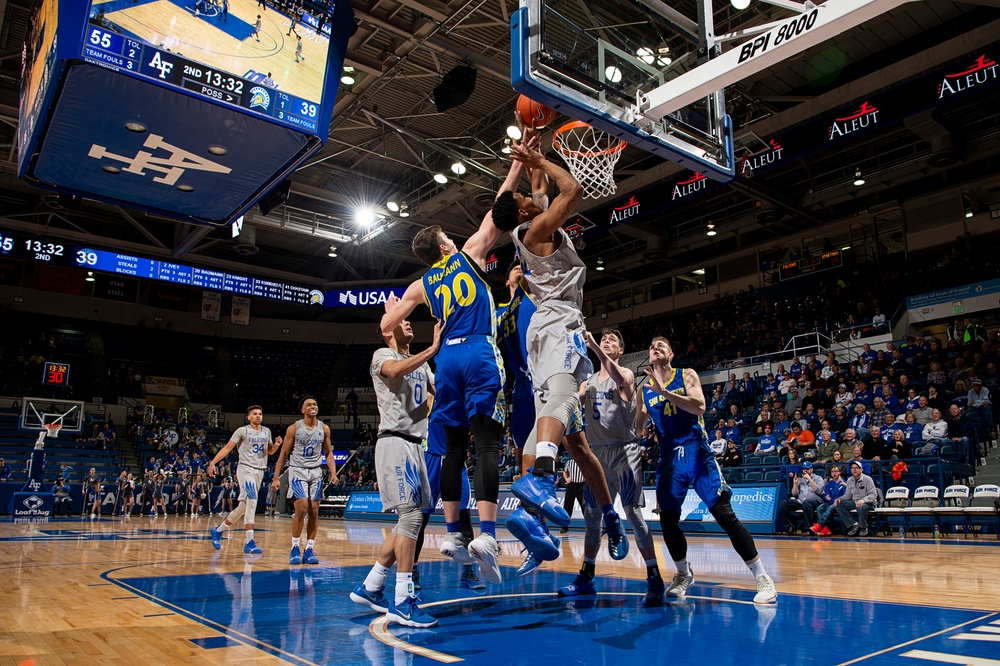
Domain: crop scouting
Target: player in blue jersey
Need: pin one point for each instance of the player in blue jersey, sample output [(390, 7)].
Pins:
[(675, 402), (470, 375)]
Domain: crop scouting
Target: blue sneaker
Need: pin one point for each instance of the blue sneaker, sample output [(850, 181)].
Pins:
[(617, 539), (654, 592), (529, 530), (408, 613), (470, 580), (581, 586), (539, 492), (251, 547), (216, 538), (529, 565), (295, 557), (374, 600), (309, 558)]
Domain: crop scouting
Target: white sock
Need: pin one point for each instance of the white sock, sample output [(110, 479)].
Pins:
[(376, 577), (310, 543), (295, 542), (546, 450), (222, 528), (404, 586), (249, 536), (757, 568), (682, 567)]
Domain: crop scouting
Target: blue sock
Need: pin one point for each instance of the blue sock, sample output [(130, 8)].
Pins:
[(607, 509), (454, 527), (488, 527)]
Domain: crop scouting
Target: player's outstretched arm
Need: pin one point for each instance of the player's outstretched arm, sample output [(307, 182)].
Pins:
[(397, 369), (481, 242), (328, 452), (221, 455), (398, 309), (286, 449), (570, 193)]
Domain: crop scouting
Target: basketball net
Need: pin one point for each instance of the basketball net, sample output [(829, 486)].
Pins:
[(591, 156), (47, 429)]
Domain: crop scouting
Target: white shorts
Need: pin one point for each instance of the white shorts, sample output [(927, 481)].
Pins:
[(305, 483), (402, 474), (249, 480), (556, 345), (622, 464)]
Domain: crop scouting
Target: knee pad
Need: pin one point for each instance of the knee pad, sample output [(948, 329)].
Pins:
[(592, 539), (251, 510), (643, 538), (408, 519), (562, 399), (235, 514)]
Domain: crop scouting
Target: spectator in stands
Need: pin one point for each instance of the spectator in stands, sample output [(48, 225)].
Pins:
[(718, 445), (839, 461), (732, 457), (770, 384), (802, 441), (844, 398), (4, 471), (797, 417), (935, 400), (889, 399), (786, 384), (841, 422), (912, 431), (717, 406), (782, 426), (767, 444), (935, 432), (860, 420), (898, 445), (791, 465), (352, 407), (833, 490), (936, 376), (826, 446), (860, 495), (735, 416), (857, 456), (912, 400), (732, 431), (848, 442), (890, 425), (923, 413), (878, 447), (763, 419), (960, 397), (794, 401), (959, 434), (876, 417), (807, 495), (878, 321)]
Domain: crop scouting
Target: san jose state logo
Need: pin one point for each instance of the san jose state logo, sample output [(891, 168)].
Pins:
[(260, 98), (316, 297)]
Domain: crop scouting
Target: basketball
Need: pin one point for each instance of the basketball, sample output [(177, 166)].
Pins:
[(531, 111)]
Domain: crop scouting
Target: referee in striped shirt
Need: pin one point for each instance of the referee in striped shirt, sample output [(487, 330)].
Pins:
[(574, 489)]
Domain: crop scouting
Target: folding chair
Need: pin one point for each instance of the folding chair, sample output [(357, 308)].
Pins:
[(897, 499), (982, 510), (952, 510), (925, 500)]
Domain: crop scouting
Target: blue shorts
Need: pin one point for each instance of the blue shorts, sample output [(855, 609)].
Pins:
[(469, 381), (522, 410), (682, 467), (434, 463)]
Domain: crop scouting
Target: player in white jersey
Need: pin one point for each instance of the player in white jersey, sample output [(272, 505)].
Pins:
[(557, 354), (403, 384), (609, 406), (255, 445), (307, 441)]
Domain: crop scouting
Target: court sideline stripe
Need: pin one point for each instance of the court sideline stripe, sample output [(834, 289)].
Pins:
[(917, 640), (227, 631)]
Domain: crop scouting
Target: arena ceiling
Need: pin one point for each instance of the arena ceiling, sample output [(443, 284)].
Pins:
[(387, 140)]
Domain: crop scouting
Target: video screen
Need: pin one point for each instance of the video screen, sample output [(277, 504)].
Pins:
[(282, 45)]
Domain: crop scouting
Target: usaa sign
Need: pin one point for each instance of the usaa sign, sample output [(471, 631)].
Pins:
[(352, 298)]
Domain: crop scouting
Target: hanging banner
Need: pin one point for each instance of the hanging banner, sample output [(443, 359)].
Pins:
[(240, 313), (211, 305)]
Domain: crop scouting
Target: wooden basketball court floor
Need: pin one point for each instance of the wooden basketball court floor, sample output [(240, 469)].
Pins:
[(114, 590), (164, 23)]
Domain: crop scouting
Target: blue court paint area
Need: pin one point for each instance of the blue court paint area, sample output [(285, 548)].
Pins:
[(233, 26), (305, 614)]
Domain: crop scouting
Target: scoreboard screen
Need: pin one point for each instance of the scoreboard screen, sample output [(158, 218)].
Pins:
[(249, 57), (804, 266), (56, 374)]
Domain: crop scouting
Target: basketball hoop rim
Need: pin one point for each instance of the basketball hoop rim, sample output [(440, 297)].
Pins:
[(579, 124), (52, 428)]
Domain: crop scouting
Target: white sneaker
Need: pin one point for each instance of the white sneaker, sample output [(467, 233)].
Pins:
[(455, 547), (486, 552), (766, 594), (680, 584), (91, 516)]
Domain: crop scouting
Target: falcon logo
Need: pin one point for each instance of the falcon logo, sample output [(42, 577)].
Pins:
[(33, 502), (259, 98)]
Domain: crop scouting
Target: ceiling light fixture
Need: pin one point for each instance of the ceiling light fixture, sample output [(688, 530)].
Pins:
[(333, 251), (845, 248), (612, 74), (858, 180), (404, 210), (600, 264), (347, 77), (440, 178), (365, 217), (699, 271), (514, 132), (393, 206), (458, 168), (740, 5), (711, 229), (90, 276)]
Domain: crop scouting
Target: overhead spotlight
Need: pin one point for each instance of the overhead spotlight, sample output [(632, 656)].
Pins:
[(364, 217), (440, 178), (90, 276), (332, 252), (514, 132), (845, 248), (661, 58), (506, 147), (393, 206), (698, 271), (612, 74), (404, 210), (458, 168), (347, 77), (600, 264), (967, 204), (740, 5), (968, 213), (858, 180), (711, 229)]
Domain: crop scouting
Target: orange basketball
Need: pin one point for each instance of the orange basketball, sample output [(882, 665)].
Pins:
[(530, 110)]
